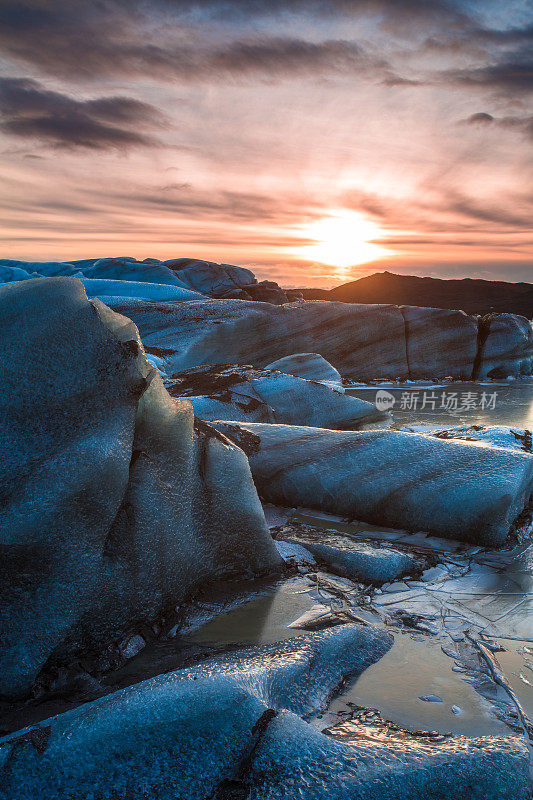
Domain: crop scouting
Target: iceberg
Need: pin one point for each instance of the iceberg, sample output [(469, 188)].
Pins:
[(232, 391), (116, 504), (311, 366), (453, 489), (183, 733)]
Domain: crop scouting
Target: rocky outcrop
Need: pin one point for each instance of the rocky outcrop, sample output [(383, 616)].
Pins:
[(233, 727), (114, 506), (402, 480), (312, 367), (238, 392)]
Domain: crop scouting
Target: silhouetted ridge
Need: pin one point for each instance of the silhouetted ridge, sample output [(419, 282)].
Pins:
[(475, 296)]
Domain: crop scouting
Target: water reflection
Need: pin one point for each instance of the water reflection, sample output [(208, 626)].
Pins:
[(513, 403), (261, 620)]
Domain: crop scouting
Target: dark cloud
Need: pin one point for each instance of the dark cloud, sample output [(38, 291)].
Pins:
[(506, 214), (472, 37), (480, 118), (522, 124), (65, 38), (111, 37), (509, 36), (511, 76), (393, 80), (30, 111), (291, 56), (185, 200), (89, 40), (272, 56)]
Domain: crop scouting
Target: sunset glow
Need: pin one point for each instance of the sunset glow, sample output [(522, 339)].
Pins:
[(300, 139), (343, 239)]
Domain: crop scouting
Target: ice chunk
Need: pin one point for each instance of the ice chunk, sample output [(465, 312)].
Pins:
[(181, 734), (292, 551), (311, 366), (116, 291), (404, 480), (507, 346), (354, 559), (210, 278), (232, 391), (361, 340), (128, 269), (295, 762), (116, 505), (440, 342), (494, 436)]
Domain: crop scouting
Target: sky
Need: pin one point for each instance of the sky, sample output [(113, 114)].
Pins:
[(314, 142)]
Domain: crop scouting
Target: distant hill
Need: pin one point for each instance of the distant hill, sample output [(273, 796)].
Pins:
[(469, 294)]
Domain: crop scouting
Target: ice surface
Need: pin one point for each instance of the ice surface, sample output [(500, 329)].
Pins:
[(295, 762), (404, 480), (115, 506), (519, 439), (311, 366), (181, 734), (113, 292), (239, 392)]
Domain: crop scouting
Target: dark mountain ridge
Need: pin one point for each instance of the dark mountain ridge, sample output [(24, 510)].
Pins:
[(473, 295)]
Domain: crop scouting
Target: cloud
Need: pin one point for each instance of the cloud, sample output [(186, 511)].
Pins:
[(113, 37), (172, 39), (480, 118), (507, 213), (511, 76), (443, 209), (258, 56), (30, 111), (522, 124), (223, 205)]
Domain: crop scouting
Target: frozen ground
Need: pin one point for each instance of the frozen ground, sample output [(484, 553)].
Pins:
[(463, 628), (248, 675), (467, 605)]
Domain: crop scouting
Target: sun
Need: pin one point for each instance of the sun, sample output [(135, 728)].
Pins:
[(343, 239)]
